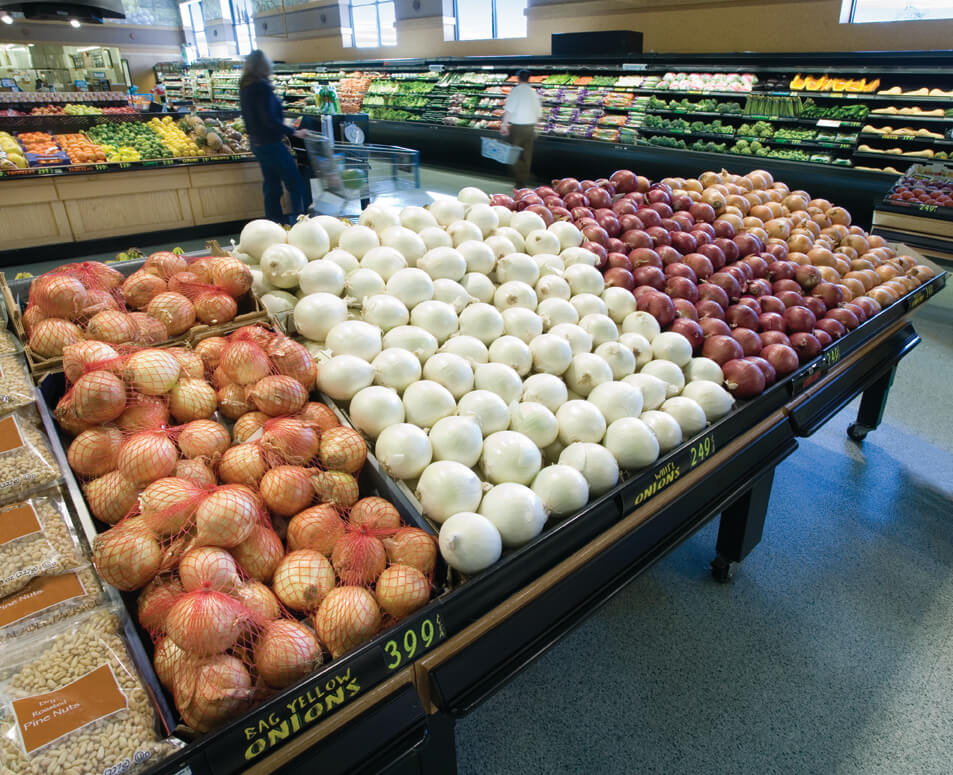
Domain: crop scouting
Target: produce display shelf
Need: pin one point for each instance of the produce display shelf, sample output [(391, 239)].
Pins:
[(121, 166), (861, 96), (884, 155), (910, 117), (682, 133), (796, 142), (936, 212), (892, 138)]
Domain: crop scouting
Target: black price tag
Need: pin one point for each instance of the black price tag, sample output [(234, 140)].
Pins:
[(921, 296), (663, 476)]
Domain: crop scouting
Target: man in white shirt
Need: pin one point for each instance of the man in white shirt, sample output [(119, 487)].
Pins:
[(520, 114)]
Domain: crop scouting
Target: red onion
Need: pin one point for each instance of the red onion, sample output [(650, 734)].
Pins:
[(503, 200), (727, 247), (685, 309), (708, 308), (702, 211), (679, 287), (645, 256), (701, 237), (615, 245), (748, 244), (752, 302), (691, 330), (783, 358), (659, 195), (790, 299), (759, 288), (578, 213), (741, 316), (770, 375), (598, 197), (553, 201), (723, 229), (683, 242), (831, 326), (770, 321), (619, 260), (799, 318), (649, 275), (700, 264), (607, 185), (722, 349), (748, 339), (659, 235), (714, 327), (777, 249), (610, 223), (624, 181), (815, 305), (566, 186), (823, 337), (869, 306), (668, 254), (715, 293), (663, 209), (630, 221), (807, 276), (805, 345), (659, 306), (759, 267), (681, 201), (705, 227), (648, 216), (743, 379), (543, 191), (595, 234), (783, 270), (584, 184), (561, 213), (747, 273), (643, 290), (727, 283), (845, 317), (543, 212), (623, 207), (772, 304), (526, 201), (619, 277), (672, 226), (678, 269), (859, 312), (785, 285), (774, 337), (635, 239)]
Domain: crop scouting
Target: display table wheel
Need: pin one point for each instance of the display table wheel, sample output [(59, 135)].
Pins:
[(857, 431), (722, 569)]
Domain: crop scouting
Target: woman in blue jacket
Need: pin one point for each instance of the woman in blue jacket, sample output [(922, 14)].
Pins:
[(266, 129)]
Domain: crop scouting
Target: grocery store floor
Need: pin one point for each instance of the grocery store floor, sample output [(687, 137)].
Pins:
[(830, 652)]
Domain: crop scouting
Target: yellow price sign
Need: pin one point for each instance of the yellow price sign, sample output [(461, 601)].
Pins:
[(415, 639)]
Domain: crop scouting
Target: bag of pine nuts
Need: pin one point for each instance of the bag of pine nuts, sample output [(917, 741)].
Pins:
[(26, 460), (16, 387), (72, 702)]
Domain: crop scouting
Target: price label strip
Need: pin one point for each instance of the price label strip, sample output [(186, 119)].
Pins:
[(414, 639), (824, 363), (689, 458)]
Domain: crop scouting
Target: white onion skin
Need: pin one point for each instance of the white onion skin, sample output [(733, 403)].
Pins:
[(554, 311), (620, 358), (500, 379), (585, 372), (689, 415), (632, 442), (672, 346), (374, 408), (427, 401), (595, 463), (580, 420), (654, 390), (451, 371), (616, 400), (551, 354), (563, 490), (665, 427), (403, 450), (714, 400), (490, 410), (516, 511), (470, 542), (344, 375), (509, 456), (446, 488), (641, 323), (457, 438), (513, 352), (668, 372), (396, 368), (482, 321), (534, 421), (704, 369)]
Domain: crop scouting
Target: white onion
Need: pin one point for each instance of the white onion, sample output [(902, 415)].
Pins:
[(278, 302), (534, 421), (332, 226), (542, 241), (503, 214), (585, 372), (420, 342), (309, 236), (509, 456), (427, 401), (579, 339), (479, 286), (404, 241), (687, 413), (512, 352), (464, 231), (551, 354), (481, 321), (619, 302), (358, 240), (563, 490), (546, 389), (641, 323), (665, 427), (469, 542), (467, 347), (515, 510), (500, 379), (619, 357), (522, 323), (549, 265), (258, 282), (597, 464), (654, 390), (704, 369), (411, 286), (553, 451), (589, 304), (554, 311), (347, 261), (714, 400), (600, 327), (517, 267), (258, 235), (374, 408), (580, 255), (640, 346), (396, 368), (384, 311), (616, 400), (500, 245), (672, 346), (434, 237), (668, 372), (458, 438), (478, 255), (364, 282), (580, 420), (318, 313), (484, 217), (515, 294), (526, 221), (403, 450), (583, 278), (378, 217), (567, 234), (552, 286), (452, 293), (384, 261), (632, 443), (280, 264), (322, 277), (437, 317), (446, 488), (353, 337), (491, 411), (443, 262), (343, 375), (513, 236), (416, 218), (451, 371)]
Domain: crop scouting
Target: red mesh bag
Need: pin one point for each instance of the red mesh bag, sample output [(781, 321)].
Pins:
[(141, 287), (347, 617), (212, 304)]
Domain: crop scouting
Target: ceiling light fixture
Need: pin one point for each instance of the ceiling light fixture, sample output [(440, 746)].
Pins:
[(6, 19)]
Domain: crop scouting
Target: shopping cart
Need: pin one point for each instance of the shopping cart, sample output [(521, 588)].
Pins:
[(352, 173)]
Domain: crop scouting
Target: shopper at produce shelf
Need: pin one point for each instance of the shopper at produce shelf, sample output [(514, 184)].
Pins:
[(262, 113), (520, 114)]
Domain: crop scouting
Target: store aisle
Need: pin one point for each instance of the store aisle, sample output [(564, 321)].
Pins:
[(830, 652)]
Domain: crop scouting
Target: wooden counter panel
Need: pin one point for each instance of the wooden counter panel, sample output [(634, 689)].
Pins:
[(22, 192), (229, 192), (33, 223), (132, 213), (126, 182)]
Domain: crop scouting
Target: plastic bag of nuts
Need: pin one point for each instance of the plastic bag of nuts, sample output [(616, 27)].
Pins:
[(26, 461), (16, 387), (72, 702), (47, 600), (9, 344), (36, 539)]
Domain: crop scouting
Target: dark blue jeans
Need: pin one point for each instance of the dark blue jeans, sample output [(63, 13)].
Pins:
[(278, 166)]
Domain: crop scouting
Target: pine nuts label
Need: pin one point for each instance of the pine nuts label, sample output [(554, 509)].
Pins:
[(38, 595), (44, 718), (10, 438), (17, 523)]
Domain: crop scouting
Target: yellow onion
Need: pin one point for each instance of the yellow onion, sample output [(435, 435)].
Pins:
[(318, 415), (141, 287), (231, 275), (196, 471), (208, 567), (293, 360), (342, 449), (255, 333), (286, 652), (212, 308), (286, 490), (192, 364), (401, 590), (233, 401), (346, 618), (50, 336), (95, 451), (289, 441), (154, 602), (259, 600), (59, 295), (167, 504), (358, 558), (226, 517), (111, 497), (318, 528), (96, 274), (174, 311), (259, 554), (152, 372), (65, 414), (183, 280), (203, 438), (111, 326), (248, 425), (243, 464), (169, 661), (277, 395), (98, 300), (412, 546), (374, 513), (214, 691), (302, 579), (192, 399), (143, 413), (210, 351), (164, 264), (147, 456), (201, 268), (98, 397), (127, 555), (205, 622), (78, 357), (336, 487), (31, 316), (244, 362), (149, 331)]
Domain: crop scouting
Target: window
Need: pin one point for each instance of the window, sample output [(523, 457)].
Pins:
[(372, 23), (194, 25), (243, 21), (485, 19), (862, 11)]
